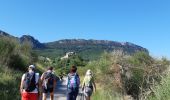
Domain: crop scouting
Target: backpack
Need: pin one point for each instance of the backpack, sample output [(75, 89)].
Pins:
[(73, 81), (48, 80), (29, 82)]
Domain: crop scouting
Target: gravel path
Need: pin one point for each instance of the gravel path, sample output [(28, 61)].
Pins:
[(61, 90)]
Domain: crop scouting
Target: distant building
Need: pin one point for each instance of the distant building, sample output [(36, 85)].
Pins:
[(68, 54), (44, 59)]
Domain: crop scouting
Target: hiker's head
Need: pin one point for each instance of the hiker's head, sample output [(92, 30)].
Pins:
[(31, 67), (50, 68), (73, 69), (89, 72)]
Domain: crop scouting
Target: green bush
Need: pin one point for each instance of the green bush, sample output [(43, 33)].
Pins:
[(17, 62), (13, 54), (15, 58), (161, 91), (7, 48), (137, 73), (9, 84)]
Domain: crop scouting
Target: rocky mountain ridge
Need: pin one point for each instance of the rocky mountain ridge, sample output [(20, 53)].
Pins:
[(78, 45)]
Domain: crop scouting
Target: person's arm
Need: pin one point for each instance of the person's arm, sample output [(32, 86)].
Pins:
[(22, 84), (39, 87), (94, 85), (67, 79), (21, 87), (78, 80), (39, 83), (41, 79)]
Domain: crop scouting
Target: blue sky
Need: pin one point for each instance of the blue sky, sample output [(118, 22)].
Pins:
[(143, 22)]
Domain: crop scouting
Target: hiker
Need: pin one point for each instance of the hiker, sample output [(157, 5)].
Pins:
[(73, 82), (48, 81), (88, 84), (30, 84)]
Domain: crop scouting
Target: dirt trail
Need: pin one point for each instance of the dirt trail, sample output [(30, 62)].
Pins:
[(61, 90)]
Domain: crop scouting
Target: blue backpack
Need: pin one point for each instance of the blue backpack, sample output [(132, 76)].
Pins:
[(73, 81)]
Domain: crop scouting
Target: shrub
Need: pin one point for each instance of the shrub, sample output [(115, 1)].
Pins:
[(127, 75), (14, 54), (161, 91), (9, 84)]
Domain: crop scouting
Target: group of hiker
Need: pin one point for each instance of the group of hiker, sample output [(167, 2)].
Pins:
[(34, 87), (73, 82)]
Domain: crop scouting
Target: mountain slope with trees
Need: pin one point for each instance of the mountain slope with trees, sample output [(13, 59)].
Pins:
[(84, 47), (88, 49)]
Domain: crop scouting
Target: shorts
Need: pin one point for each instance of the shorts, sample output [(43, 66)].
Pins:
[(88, 91), (72, 93), (29, 96), (48, 90)]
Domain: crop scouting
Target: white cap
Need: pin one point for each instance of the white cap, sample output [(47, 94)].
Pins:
[(31, 66)]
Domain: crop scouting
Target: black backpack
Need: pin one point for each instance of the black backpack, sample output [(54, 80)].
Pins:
[(29, 82), (48, 80)]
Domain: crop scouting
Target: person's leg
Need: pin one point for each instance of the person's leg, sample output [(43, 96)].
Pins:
[(44, 93), (75, 93), (87, 97), (44, 96), (52, 96), (70, 96), (51, 93), (74, 96)]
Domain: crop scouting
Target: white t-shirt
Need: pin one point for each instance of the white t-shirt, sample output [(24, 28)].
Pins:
[(36, 80)]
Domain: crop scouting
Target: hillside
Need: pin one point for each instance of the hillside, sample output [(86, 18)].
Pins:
[(88, 49), (82, 45)]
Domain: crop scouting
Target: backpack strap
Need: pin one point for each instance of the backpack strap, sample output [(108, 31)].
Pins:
[(45, 74), (34, 75), (68, 83)]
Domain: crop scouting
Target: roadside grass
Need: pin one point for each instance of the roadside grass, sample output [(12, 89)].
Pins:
[(105, 95), (162, 90), (9, 84)]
